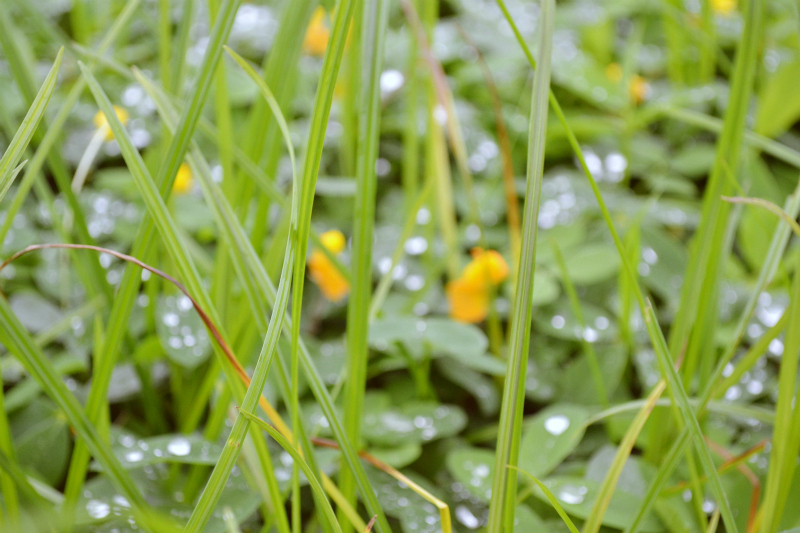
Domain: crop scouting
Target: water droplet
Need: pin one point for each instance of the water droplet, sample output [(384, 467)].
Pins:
[(391, 80), (416, 245), (179, 447), (572, 494), (465, 517), (556, 425), (171, 319), (558, 321), (134, 456), (98, 509)]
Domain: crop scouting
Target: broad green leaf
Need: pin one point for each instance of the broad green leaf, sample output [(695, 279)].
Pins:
[(412, 423), (592, 263), (576, 384), (550, 437), (474, 469), (416, 515), (182, 334), (41, 437), (576, 495), (134, 452)]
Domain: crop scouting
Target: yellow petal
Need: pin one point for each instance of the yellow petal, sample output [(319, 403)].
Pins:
[(324, 274), (317, 34), (468, 302), (487, 266), (183, 180), (333, 240), (101, 121), (723, 7)]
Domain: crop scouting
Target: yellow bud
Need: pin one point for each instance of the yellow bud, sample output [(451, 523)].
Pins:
[(487, 266), (333, 240), (183, 180), (101, 121), (723, 7), (323, 272), (317, 34)]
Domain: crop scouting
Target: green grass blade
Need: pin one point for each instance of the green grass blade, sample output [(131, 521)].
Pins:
[(271, 102), (319, 493), (373, 39), (25, 132), (595, 519), (552, 499), (651, 322), (55, 128), (19, 342), (501, 510)]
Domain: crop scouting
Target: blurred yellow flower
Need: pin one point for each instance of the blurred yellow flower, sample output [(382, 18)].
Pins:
[(101, 121), (468, 295), (317, 34), (638, 89), (183, 180), (723, 7), (323, 272)]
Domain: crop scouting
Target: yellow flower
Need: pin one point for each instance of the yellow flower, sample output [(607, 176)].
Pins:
[(183, 180), (323, 272), (468, 295), (614, 72), (317, 34), (638, 89), (101, 121), (723, 7)]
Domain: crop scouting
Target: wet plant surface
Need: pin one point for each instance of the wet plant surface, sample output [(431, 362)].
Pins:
[(384, 153)]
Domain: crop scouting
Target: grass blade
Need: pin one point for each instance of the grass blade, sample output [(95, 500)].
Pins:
[(319, 494), (553, 500), (373, 39), (501, 510), (25, 132), (595, 519)]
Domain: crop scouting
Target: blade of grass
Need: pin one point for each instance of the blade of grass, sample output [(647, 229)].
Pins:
[(56, 126), (316, 487), (249, 269), (771, 262), (595, 519), (651, 322), (19, 342), (18, 53), (553, 500), (373, 39), (128, 288), (8, 168), (501, 510), (316, 138)]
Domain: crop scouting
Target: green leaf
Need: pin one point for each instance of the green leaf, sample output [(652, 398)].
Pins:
[(192, 449), (550, 437), (592, 263), (41, 438), (577, 495), (474, 469), (412, 423), (181, 332)]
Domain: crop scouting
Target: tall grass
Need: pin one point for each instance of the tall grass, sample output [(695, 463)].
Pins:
[(263, 234), (504, 485)]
